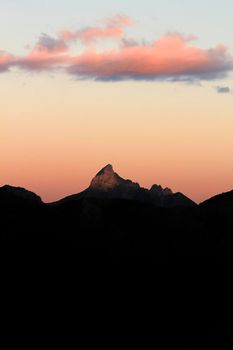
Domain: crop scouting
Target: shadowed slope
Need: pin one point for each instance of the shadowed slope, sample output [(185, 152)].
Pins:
[(224, 200), (10, 195)]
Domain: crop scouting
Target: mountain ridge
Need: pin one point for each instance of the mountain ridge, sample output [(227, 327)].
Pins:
[(108, 184), (88, 232), (123, 222), (10, 194)]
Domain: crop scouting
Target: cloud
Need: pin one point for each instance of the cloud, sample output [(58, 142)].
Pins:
[(172, 57), (113, 28), (48, 53), (50, 44), (42, 60), (6, 61), (130, 42), (223, 89)]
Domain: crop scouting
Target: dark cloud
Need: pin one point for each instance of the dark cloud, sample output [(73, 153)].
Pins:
[(130, 42), (223, 89), (51, 44), (6, 61)]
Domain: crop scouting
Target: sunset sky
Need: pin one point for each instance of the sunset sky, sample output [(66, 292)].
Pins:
[(144, 85)]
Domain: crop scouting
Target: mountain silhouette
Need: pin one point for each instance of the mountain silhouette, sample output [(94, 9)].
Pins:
[(117, 219), (108, 184), (12, 196), (220, 201), (114, 223)]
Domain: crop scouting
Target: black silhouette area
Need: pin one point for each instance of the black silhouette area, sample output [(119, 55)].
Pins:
[(182, 250), (118, 219)]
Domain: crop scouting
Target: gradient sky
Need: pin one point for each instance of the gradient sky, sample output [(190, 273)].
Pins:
[(143, 85)]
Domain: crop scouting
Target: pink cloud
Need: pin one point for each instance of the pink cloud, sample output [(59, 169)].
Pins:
[(42, 60), (170, 56), (113, 28), (92, 34), (48, 53), (6, 61)]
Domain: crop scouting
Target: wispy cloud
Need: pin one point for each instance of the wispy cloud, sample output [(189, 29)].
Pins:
[(6, 60), (171, 57), (113, 27), (50, 44), (223, 89)]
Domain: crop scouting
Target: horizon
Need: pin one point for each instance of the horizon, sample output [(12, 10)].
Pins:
[(101, 171), (146, 87)]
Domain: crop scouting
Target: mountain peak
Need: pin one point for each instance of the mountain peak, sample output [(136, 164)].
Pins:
[(160, 191), (106, 179), (108, 184), (107, 169)]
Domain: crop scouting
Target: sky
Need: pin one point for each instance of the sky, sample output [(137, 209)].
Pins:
[(143, 85)]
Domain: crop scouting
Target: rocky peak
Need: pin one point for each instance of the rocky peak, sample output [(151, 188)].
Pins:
[(106, 179), (156, 189), (108, 169), (167, 191), (159, 190)]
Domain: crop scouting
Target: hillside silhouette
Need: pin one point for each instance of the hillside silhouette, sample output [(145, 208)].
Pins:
[(117, 219), (180, 252)]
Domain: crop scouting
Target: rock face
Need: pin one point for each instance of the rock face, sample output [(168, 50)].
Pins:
[(107, 179), (108, 184)]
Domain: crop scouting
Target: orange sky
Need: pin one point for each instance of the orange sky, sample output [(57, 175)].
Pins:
[(57, 133), (147, 88)]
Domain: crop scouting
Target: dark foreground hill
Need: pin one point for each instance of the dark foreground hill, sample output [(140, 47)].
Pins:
[(118, 220), (179, 253)]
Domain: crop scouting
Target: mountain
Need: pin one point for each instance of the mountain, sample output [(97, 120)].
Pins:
[(108, 184), (119, 227), (221, 201), (15, 196), (115, 217), (106, 179), (22, 214)]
